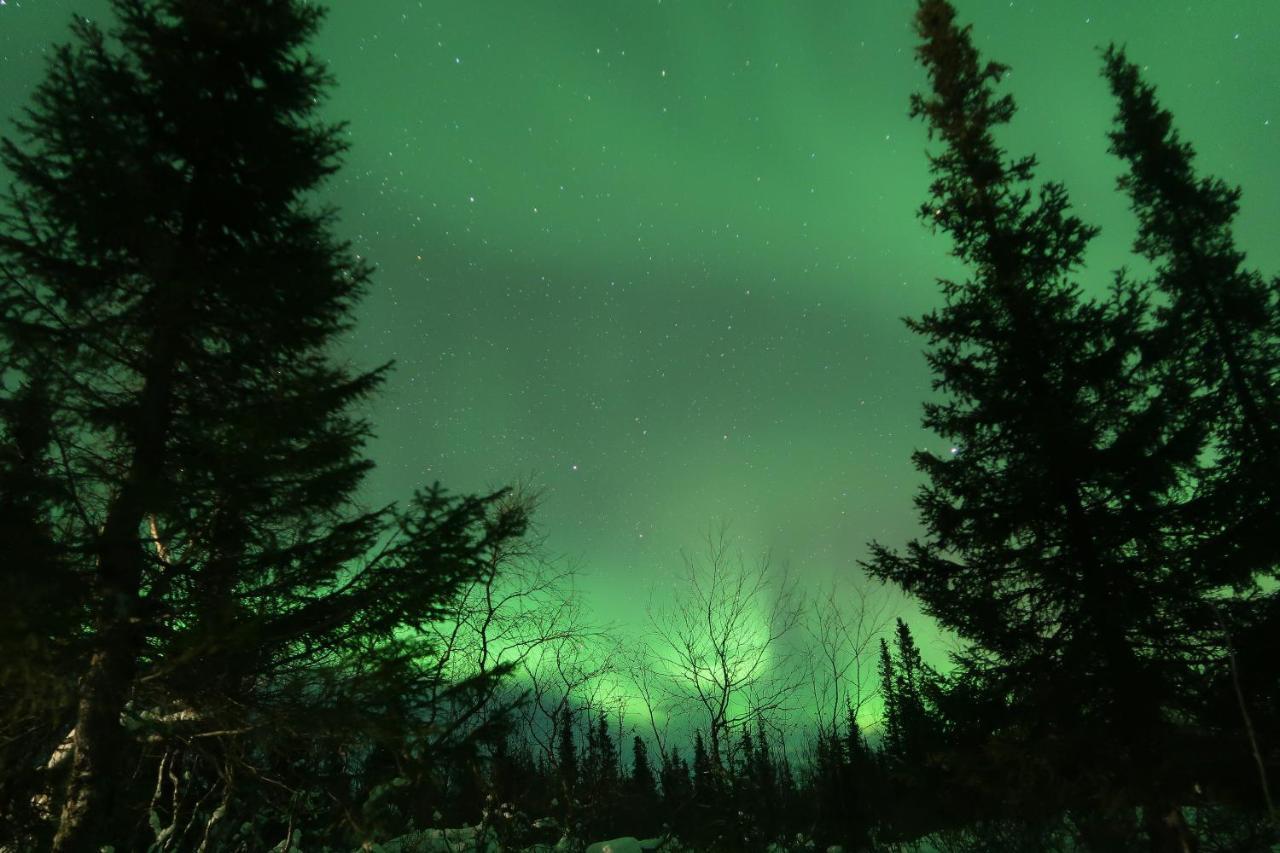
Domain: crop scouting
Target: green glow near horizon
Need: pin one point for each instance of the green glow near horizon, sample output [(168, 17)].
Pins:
[(654, 253)]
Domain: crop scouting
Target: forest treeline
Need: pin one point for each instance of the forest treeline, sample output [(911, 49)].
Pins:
[(208, 642)]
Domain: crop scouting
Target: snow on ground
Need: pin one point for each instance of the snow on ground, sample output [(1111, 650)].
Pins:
[(626, 844), (474, 839)]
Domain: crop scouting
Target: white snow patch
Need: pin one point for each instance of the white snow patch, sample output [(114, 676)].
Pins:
[(473, 839), (626, 844)]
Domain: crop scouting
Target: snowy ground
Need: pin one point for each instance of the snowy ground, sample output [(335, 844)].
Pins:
[(472, 839)]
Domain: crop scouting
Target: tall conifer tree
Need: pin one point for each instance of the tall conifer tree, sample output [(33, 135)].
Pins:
[(1219, 325), (641, 780), (705, 789), (891, 718), (169, 287), (641, 790), (1052, 529), (675, 782), (567, 758)]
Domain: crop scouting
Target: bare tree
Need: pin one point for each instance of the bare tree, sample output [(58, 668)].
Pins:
[(652, 690), (720, 645), (569, 667), (842, 627), (520, 617)]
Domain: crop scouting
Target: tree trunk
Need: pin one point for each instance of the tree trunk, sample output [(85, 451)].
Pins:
[(82, 825), (105, 686), (118, 631)]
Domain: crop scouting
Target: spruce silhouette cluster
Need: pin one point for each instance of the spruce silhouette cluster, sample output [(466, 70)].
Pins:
[(1114, 475), (207, 641)]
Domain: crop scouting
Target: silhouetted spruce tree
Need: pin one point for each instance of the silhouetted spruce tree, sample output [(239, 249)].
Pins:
[(766, 783), (567, 758), (828, 785), (745, 769), (703, 778), (545, 794), (600, 781), (855, 743), (1053, 530), (167, 285), (641, 791), (914, 685), (641, 779), (677, 788), (891, 744), (512, 771), (706, 820), (841, 783), (743, 795), (1220, 325), (589, 770), (787, 794), (912, 738), (862, 784), (607, 759)]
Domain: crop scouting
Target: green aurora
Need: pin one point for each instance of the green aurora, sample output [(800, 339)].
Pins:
[(653, 254)]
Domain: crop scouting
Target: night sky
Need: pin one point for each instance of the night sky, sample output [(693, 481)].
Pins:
[(653, 254)]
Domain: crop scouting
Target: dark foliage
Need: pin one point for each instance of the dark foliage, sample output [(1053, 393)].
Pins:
[(677, 787), (601, 791), (1081, 534), (198, 596), (640, 813), (567, 758), (1220, 326), (206, 641)]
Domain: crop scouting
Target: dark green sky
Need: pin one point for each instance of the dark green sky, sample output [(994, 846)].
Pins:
[(654, 253)]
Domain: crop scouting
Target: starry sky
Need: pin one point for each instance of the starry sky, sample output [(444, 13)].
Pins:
[(653, 254)]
